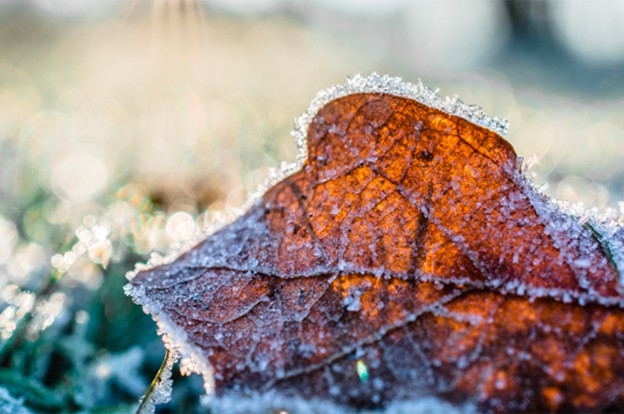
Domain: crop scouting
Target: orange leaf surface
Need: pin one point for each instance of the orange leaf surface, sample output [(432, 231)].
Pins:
[(408, 257)]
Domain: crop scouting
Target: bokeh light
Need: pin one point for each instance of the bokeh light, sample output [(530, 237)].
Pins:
[(479, 31), (79, 176), (8, 238), (76, 9), (594, 33)]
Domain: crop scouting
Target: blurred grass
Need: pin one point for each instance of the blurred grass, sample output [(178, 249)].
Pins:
[(126, 134)]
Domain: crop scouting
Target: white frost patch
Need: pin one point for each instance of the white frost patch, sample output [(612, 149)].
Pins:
[(271, 402), (429, 405), (10, 404), (353, 303)]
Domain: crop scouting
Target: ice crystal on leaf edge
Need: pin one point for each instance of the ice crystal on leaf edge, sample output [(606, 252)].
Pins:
[(605, 224)]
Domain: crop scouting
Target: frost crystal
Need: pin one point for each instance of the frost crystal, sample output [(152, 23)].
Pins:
[(271, 402)]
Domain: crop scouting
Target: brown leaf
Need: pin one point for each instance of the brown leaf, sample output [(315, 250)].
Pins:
[(407, 258)]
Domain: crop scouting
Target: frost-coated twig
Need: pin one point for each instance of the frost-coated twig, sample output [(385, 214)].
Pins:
[(151, 397)]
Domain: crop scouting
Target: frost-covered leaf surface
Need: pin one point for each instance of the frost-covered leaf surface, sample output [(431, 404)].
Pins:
[(407, 257)]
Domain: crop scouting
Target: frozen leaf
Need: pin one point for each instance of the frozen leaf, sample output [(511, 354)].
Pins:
[(407, 257)]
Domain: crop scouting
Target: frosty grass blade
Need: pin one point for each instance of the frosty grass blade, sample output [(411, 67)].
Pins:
[(607, 228)]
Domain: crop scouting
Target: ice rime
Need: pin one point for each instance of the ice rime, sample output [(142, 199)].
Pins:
[(272, 402), (161, 393), (395, 86)]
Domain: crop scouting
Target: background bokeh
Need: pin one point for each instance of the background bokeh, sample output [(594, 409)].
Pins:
[(128, 125)]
